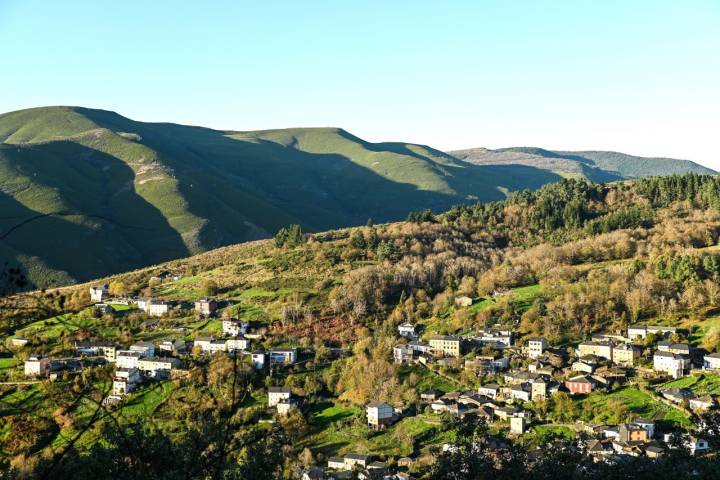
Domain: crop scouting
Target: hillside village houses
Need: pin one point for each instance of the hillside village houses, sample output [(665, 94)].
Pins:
[(379, 415), (536, 347), (671, 363), (153, 306), (37, 366), (712, 361), (407, 330), (635, 332), (99, 293), (446, 345), (234, 327), (278, 394), (206, 306)]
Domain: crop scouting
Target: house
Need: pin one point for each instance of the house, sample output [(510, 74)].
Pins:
[(173, 346), (654, 451), (599, 349), (356, 459), (313, 473), (153, 306), (536, 346), (446, 405), (677, 395), (407, 330), (99, 293), (584, 367), (446, 345), (125, 380), (403, 354), (518, 425), (37, 366), (430, 395), (283, 356), (701, 404), (494, 338), (697, 445), (625, 354), (147, 349), (278, 394), (648, 425), (258, 359), (487, 364), (671, 363), (676, 348), (234, 327), (206, 306), (158, 367), (203, 343), (638, 331), (284, 406), (463, 301), (235, 344), (632, 433), (419, 347), (694, 444), (336, 463), (580, 384), (379, 415), (127, 359), (521, 392), (490, 390), (712, 361), (19, 341)]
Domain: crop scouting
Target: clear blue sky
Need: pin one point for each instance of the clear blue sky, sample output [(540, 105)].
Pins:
[(636, 76)]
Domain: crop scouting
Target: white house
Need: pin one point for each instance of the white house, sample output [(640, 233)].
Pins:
[(258, 358), (379, 414), (203, 343), (127, 359), (712, 361), (536, 346), (157, 367), (490, 390), (671, 363), (153, 306), (125, 380), (407, 330), (234, 344), (99, 293), (278, 394), (147, 349), (234, 327), (37, 366)]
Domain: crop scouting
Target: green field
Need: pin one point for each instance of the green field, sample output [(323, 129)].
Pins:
[(702, 384), (637, 401)]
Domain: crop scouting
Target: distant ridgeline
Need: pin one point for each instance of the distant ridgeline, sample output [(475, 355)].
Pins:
[(86, 193)]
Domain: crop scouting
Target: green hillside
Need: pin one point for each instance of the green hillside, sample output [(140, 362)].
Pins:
[(85, 193), (598, 166)]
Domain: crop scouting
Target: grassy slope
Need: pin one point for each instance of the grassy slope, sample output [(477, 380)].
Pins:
[(135, 193)]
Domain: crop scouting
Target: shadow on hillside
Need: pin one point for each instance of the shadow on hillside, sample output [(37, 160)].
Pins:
[(103, 226), (235, 181)]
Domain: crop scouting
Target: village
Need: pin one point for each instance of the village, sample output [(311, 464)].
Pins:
[(518, 376)]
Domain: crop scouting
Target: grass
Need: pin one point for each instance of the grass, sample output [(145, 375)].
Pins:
[(637, 401), (7, 363), (701, 384)]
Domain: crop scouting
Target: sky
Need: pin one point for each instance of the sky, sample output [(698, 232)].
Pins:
[(641, 77)]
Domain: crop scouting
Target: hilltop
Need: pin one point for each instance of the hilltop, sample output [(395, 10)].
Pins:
[(123, 194), (86, 193)]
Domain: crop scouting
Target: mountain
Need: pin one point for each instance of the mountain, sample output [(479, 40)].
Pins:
[(85, 193), (598, 166)]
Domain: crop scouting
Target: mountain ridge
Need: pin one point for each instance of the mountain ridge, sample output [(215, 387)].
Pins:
[(98, 193)]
